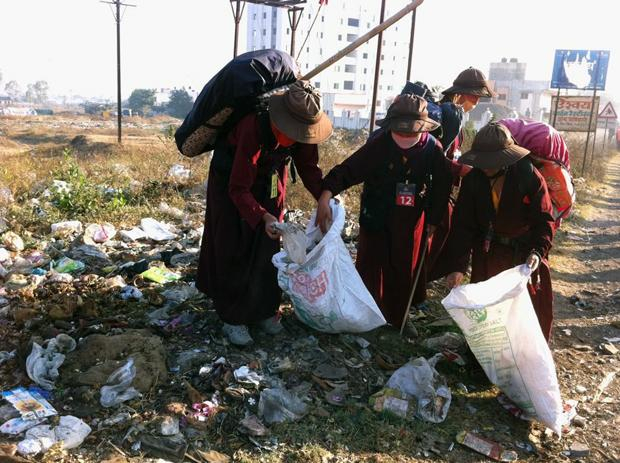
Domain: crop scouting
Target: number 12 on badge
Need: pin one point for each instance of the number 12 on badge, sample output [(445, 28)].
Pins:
[(405, 194)]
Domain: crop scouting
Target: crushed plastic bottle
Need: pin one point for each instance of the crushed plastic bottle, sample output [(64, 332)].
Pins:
[(118, 388)]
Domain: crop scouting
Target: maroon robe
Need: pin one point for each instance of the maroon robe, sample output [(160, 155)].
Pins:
[(522, 224), (235, 267), (388, 257)]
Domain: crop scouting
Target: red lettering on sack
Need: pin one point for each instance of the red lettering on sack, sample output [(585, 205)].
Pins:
[(310, 288)]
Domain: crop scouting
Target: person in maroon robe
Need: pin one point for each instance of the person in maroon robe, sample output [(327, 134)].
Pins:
[(246, 191), (406, 188), (463, 96), (503, 218)]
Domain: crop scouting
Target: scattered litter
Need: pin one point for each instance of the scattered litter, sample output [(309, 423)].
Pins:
[(449, 340), (157, 231), (13, 242), (65, 228), (279, 405), (174, 212), (118, 386), (609, 349), (603, 385), (419, 379), (579, 450), (580, 389), (135, 234), (6, 356), (70, 433), (179, 172), (169, 426), (328, 371), (160, 275), (253, 426), (485, 446), (99, 233), (246, 376), (42, 364), (131, 292), (171, 448), (67, 265), (18, 425), (29, 403), (395, 402)]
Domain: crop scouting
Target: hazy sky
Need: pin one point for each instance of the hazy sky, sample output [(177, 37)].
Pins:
[(72, 43)]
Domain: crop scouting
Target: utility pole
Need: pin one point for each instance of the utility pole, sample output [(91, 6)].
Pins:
[(117, 17)]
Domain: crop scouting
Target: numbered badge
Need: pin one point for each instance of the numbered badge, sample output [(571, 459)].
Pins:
[(405, 194)]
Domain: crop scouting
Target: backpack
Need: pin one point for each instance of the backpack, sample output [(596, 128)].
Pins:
[(239, 88), (421, 89), (549, 154)]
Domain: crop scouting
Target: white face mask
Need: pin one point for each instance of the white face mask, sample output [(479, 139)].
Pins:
[(406, 142)]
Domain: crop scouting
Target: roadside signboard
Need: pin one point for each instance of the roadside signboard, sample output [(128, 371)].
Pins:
[(580, 69), (574, 113), (608, 112)]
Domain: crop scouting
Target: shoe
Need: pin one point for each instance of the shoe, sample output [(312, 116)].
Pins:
[(237, 334), (271, 325), (410, 330)]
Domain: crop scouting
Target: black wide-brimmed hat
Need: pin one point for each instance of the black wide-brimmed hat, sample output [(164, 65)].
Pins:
[(471, 81), (408, 114), (493, 148)]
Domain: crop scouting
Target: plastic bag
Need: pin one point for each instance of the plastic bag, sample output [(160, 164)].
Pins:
[(327, 292), (294, 241), (98, 233), (71, 431), (502, 330), (118, 388), (42, 364), (156, 231), (279, 405), (418, 378)]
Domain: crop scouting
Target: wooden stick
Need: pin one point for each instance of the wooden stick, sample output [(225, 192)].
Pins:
[(363, 39)]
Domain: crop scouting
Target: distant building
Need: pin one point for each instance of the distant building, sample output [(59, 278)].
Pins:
[(5, 101), (530, 98), (346, 85)]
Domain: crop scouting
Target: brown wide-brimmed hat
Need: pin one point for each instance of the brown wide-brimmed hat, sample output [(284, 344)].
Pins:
[(471, 81), (298, 114), (408, 114), (493, 148)]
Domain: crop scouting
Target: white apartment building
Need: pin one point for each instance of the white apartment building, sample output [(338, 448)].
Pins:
[(346, 85)]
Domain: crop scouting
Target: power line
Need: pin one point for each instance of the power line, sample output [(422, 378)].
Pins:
[(118, 17)]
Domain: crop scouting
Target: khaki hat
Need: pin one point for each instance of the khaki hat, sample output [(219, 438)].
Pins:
[(493, 148), (297, 113), (471, 81), (408, 114)]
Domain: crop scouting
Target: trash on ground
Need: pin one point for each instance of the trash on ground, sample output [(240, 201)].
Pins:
[(171, 448), (395, 402), (160, 275), (98, 233), (68, 265), (253, 426), (609, 377), (42, 364), (485, 446), (29, 403), (70, 433), (449, 341), (67, 227), (118, 386), (157, 231), (18, 425), (418, 379), (13, 242), (579, 450), (496, 316), (179, 172), (244, 375), (169, 426), (279, 405)]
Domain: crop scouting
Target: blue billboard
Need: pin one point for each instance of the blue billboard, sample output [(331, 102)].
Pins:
[(580, 69)]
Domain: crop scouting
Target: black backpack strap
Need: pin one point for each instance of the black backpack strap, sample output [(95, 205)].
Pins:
[(526, 177)]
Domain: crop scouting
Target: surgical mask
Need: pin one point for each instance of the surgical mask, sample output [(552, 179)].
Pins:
[(405, 142)]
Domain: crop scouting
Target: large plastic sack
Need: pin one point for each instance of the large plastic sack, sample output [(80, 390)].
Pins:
[(327, 292), (502, 330)]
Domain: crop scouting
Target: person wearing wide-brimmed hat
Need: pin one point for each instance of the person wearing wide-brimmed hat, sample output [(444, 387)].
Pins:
[(463, 96), (503, 218), (246, 190), (406, 188)]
